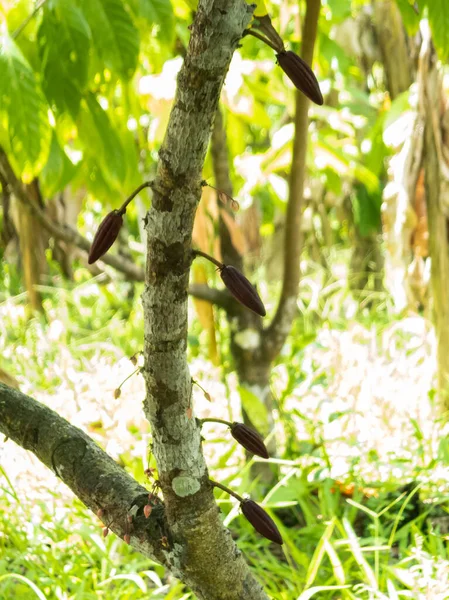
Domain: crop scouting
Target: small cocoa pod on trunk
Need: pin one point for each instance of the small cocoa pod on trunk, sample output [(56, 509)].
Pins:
[(250, 439), (106, 235), (301, 75), (261, 521), (242, 289)]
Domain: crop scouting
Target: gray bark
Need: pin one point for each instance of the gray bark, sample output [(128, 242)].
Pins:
[(86, 469), (201, 552)]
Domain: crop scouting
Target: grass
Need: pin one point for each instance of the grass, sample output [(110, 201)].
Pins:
[(362, 497)]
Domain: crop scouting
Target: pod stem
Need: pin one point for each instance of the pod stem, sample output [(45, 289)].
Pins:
[(122, 209), (213, 420), (216, 262), (227, 490), (262, 38)]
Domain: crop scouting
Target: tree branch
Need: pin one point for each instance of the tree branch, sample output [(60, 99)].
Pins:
[(86, 469), (220, 298), (64, 233), (279, 329)]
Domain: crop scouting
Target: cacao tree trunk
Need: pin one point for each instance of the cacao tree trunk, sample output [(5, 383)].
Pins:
[(200, 549)]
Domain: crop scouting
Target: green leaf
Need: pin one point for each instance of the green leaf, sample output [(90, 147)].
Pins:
[(58, 171), (24, 580), (438, 11), (115, 36), (102, 141), (321, 588), (410, 16), (255, 409), (159, 12), (23, 111), (366, 207), (64, 39)]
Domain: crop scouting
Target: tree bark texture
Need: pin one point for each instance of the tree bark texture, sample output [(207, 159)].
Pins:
[(201, 552), (86, 469), (432, 107)]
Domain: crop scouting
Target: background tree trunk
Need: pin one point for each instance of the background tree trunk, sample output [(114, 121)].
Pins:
[(253, 371), (398, 215), (431, 108)]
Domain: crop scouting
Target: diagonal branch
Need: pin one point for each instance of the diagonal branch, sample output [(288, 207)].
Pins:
[(66, 234), (85, 468)]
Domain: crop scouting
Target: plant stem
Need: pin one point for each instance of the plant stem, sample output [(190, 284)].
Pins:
[(210, 258), (129, 377), (227, 490), (262, 38), (122, 209), (211, 420)]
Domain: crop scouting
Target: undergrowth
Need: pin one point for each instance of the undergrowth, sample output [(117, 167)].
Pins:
[(362, 495)]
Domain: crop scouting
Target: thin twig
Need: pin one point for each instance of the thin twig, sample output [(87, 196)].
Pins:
[(122, 209), (211, 420), (213, 260)]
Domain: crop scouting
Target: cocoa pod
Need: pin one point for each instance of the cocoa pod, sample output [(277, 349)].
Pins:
[(250, 439), (106, 235), (261, 521), (301, 75), (242, 289)]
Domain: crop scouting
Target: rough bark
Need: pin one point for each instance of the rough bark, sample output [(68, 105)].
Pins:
[(86, 469), (279, 328), (201, 551), (431, 108)]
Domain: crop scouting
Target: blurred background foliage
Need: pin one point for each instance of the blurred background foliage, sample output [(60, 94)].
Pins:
[(86, 88)]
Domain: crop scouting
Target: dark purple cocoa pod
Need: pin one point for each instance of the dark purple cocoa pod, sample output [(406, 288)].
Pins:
[(106, 235), (301, 75), (242, 289), (250, 439), (261, 521)]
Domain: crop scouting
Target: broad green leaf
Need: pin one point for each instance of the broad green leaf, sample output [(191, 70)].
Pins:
[(114, 34), (23, 111), (102, 141), (64, 39), (58, 171), (438, 11), (410, 16), (341, 9), (159, 12), (255, 409)]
